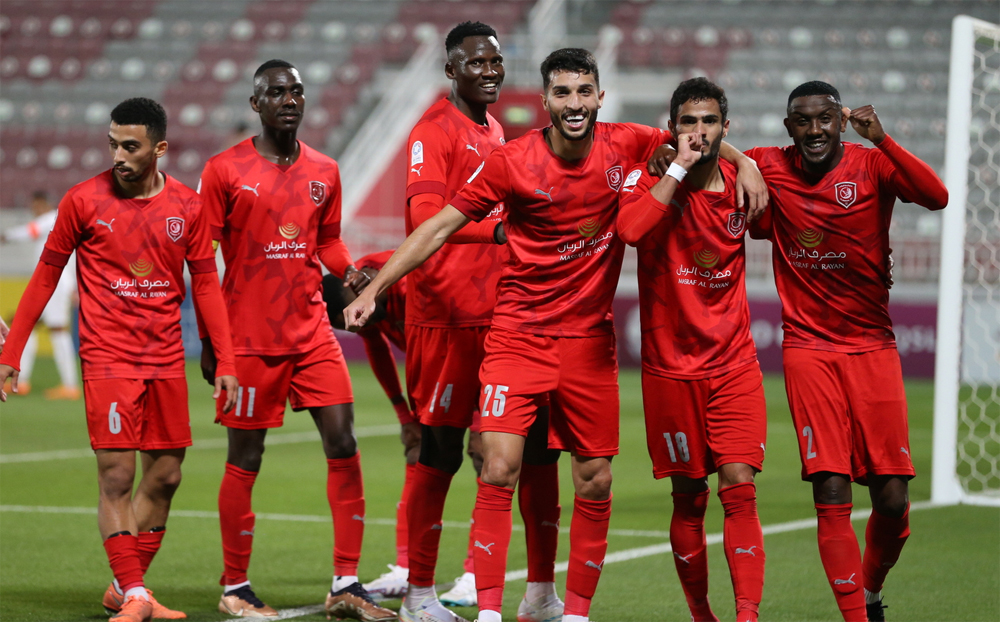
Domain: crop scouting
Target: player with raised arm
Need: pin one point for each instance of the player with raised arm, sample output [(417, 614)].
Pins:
[(701, 382), (450, 302), (552, 336), (132, 228), (56, 315), (829, 226), (274, 203)]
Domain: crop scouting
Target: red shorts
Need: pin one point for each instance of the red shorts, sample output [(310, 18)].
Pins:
[(523, 372), (695, 426), (442, 373), (312, 379), (125, 413), (849, 412)]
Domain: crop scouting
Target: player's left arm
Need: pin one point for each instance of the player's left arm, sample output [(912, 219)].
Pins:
[(383, 364), (912, 177), (424, 206)]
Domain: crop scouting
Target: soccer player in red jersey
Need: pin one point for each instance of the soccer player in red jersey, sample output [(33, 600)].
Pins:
[(701, 383), (829, 226), (450, 302), (552, 336), (132, 228), (274, 203)]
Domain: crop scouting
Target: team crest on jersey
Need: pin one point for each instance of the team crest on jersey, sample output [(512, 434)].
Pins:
[(417, 153), (847, 193), (737, 224), (175, 228), (317, 191), (614, 175)]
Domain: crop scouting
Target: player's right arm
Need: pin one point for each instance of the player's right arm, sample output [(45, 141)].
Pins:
[(214, 191), (383, 365), (65, 237), (641, 211)]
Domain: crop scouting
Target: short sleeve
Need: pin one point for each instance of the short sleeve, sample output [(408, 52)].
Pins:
[(429, 153), (66, 234), (200, 255), (478, 198), (214, 197)]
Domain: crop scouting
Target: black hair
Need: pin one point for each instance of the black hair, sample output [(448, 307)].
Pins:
[(698, 89), (274, 63), (142, 111), (459, 33), (816, 87), (576, 60)]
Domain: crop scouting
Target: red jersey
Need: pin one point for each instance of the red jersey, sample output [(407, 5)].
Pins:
[(392, 326), (692, 297), (130, 257), (457, 285), (830, 248), (272, 220), (559, 217)]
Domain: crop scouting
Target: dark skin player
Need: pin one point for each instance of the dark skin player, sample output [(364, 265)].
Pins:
[(815, 124), (279, 99)]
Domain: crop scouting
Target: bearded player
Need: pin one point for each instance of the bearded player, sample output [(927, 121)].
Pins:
[(701, 382), (552, 336), (132, 228), (829, 225), (274, 203)]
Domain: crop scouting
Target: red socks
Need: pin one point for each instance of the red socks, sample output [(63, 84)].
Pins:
[(402, 531), (838, 548), (588, 543), (123, 555), (236, 520), (884, 539), (469, 565), (345, 492), (743, 541), (424, 509), (538, 498), (148, 545), (492, 526), (687, 537)]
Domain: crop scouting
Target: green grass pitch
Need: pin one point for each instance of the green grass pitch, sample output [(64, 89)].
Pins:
[(52, 565)]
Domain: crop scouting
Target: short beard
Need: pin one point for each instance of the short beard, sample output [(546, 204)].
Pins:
[(557, 123), (712, 155)]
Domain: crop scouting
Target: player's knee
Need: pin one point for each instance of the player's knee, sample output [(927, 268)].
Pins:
[(595, 486), (116, 482), (499, 471), (343, 446), (733, 474), (831, 489)]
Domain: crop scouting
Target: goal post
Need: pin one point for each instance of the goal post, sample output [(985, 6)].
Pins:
[(966, 448)]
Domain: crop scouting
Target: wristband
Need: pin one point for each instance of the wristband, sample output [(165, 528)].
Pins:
[(676, 171)]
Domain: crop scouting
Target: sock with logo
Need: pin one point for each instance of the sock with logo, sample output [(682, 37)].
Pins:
[(538, 500), (588, 543), (884, 539), (687, 537), (424, 509), (149, 545), (743, 542), (838, 549), (402, 527), (492, 539), (469, 565), (236, 520), (345, 491), (123, 556)]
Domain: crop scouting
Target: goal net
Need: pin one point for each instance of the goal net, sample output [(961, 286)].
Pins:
[(966, 463)]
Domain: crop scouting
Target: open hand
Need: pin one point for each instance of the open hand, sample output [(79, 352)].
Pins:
[(208, 362)]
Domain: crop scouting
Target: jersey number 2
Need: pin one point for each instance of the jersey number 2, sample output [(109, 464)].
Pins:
[(808, 433)]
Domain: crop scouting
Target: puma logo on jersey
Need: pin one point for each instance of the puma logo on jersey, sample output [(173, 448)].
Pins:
[(485, 547), (749, 550), (417, 170), (107, 224), (546, 523), (547, 195), (471, 148), (436, 527), (904, 451), (845, 581), (685, 558), (247, 533), (253, 190), (591, 564), (358, 517)]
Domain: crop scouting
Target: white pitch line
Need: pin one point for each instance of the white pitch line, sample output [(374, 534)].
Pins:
[(212, 443)]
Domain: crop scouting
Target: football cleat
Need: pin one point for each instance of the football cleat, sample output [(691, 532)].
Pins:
[(876, 611), (113, 601), (62, 392), (392, 584), (428, 610), (243, 603), (355, 603), (463, 593), (134, 609), (548, 609)]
